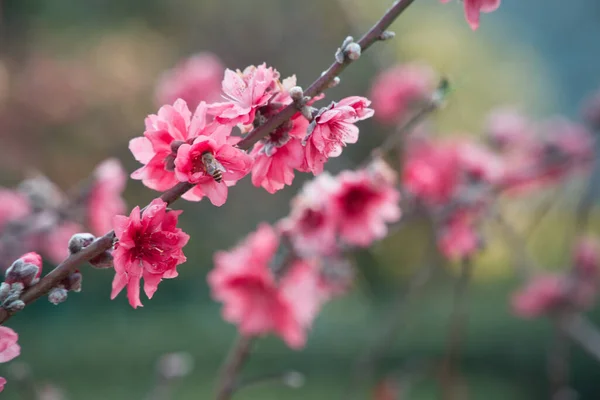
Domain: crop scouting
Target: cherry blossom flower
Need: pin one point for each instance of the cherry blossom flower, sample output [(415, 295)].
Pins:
[(13, 205), (9, 348), (474, 7), (278, 155), (246, 92), (397, 90), (509, 130), (332, 128), (458, 238), (105, 199), (362, 207), (194, 79), (311, 225), (212, 163), (478, 164), (258, 302), (149, 246), (586, 255), (541, 295)]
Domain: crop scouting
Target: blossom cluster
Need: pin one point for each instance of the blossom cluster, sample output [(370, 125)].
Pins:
[(200, 147), (279, 277)]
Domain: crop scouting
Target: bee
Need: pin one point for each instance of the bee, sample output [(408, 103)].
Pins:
[(212, 166)]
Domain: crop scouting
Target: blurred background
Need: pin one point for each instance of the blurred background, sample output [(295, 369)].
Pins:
[(77, 79)]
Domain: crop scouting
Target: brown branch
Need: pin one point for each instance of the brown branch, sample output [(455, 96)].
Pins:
[(322, 83), (235, 360)]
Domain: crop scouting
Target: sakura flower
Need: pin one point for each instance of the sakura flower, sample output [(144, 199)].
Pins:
[(195, 79), (332, 128), (149, 246), (255, 300), (398, 89), (474, 7), (246, 92), (9, 348), (105, 199), (311, 225), (212, 163), (13, 205), (509, 130), (543, 294), (431, 172), (363, 206), (458, 238), (278, 155), (478, 164)]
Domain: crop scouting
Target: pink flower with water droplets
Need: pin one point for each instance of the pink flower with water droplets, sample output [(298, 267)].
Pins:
[(245, 92), (194, 79), (474, 7), (149, 246), (105, 199), (212, 163), (9, 348), (255, 300), (363, 204), (397, 90), (332, 129)]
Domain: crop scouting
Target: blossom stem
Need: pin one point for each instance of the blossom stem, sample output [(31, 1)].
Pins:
[(105, 242), (558, 360), (323, 82), (238, 355), (457, 326)]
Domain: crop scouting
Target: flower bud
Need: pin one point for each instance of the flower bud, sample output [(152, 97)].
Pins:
[(57, 295), (79, 241), (296, 93), (103, 260), (26, 270), (73, 282), (293, 379), (353, 51), (175, 365), (15, 306), (386, 35), (4, 290)]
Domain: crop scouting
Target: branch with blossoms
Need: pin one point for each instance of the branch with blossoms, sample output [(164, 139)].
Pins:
[(277, 279)]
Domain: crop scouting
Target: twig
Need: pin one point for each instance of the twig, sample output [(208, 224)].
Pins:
[(291, 379), (558, 361), (458, 323), (235, 360), (322, 83)]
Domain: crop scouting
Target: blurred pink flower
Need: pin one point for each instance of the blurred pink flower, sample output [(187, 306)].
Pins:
[(332, 128), (478, 163), (245, 92), (105, 199), (474, 7), (212, 163), (9, 348), (509, 130), (194, 79), (362, 206), (541, 295), (458, 238), (13, 205), (255, 300), (396, 90), (149, 246), (311, 226), (2, 383)]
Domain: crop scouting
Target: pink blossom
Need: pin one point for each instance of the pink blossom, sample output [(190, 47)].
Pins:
[(397, 90), (171, 124), (277, 156), (2, 383), (13, 205), (541, 295), (509, 130), (105, 199), (245, 92), (431, 171), (363, 206), (478, 164), (194, 79), (149, 246), (586, 256), (332, 128), (9, 347), (195, 164), (311, 225), (474, 7), (458, 238), (253, 299)]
